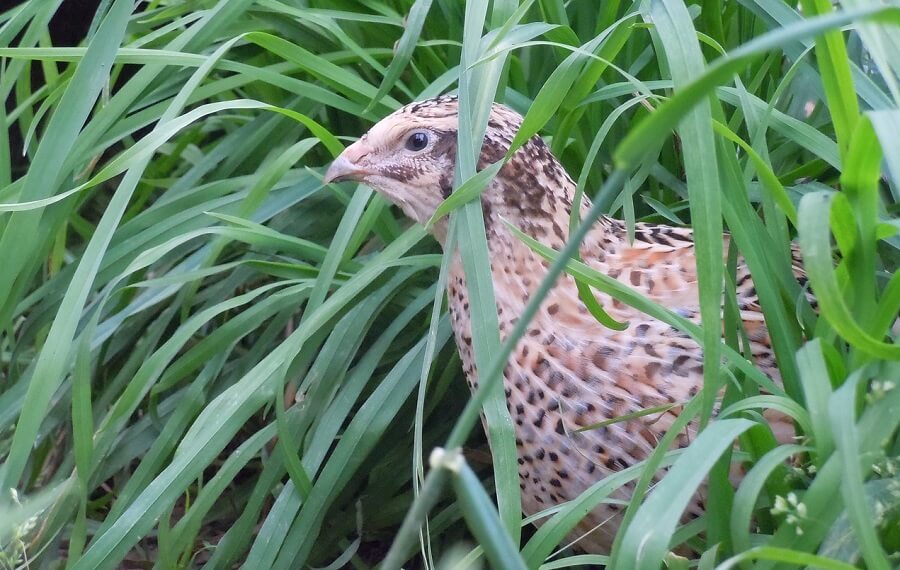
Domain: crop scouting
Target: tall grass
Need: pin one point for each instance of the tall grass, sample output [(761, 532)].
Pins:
[(209, 358)]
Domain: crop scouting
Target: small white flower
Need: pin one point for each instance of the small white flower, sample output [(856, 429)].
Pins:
[(879, 388), (780, 507)]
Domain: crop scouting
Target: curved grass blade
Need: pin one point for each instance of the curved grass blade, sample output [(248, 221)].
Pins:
[(648, 536)]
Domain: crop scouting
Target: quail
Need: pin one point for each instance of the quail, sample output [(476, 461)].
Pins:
[(568, 371)]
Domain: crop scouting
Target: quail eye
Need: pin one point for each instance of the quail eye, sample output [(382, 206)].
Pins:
[(417, 141)]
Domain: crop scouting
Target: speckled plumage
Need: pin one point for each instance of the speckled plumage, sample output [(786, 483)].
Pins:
[(568, 371)]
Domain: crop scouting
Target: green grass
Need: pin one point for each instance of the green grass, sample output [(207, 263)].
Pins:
[(208, 357)]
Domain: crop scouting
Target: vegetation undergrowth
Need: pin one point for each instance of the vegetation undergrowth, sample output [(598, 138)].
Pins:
[(208, 357)]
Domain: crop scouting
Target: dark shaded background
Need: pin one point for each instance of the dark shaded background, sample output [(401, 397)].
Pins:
[(71, 21), (68, 27)]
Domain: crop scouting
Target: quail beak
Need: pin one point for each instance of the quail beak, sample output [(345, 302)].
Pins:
[(347, 165)]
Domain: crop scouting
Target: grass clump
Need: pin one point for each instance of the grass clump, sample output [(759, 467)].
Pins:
[(208, 358)]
